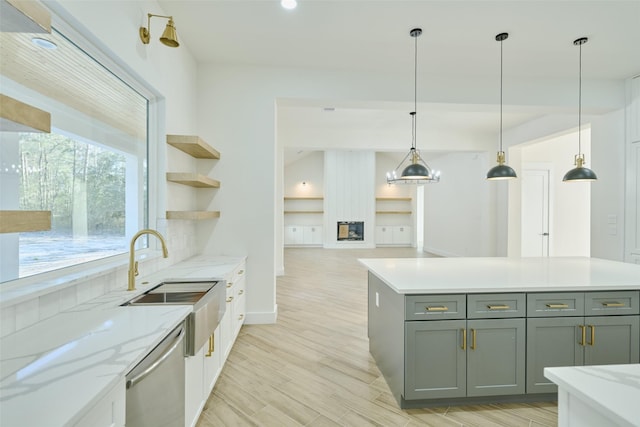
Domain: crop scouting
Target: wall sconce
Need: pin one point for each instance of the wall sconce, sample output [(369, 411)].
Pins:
[(168, 38)]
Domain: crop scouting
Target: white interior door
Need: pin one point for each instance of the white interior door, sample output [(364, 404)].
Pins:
[(535, 213)]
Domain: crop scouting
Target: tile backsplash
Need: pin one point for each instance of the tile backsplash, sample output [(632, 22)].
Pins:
[(26, 312)]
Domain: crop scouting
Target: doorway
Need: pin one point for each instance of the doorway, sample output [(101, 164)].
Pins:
[(535, 217)]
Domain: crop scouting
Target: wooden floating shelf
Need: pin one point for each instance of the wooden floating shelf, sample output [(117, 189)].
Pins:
[(304, 198), (303, 212), (16, 116), (194, 146), (393, 199), (193, 180), (24, 221), (394, 212), (195, 215)]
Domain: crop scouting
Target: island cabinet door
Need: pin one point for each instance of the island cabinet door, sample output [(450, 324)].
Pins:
[(496, 357), (552, 341), (435, 359), (612, 340)]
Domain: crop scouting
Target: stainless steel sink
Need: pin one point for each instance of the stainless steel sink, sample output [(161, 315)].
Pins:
[(207, 299)]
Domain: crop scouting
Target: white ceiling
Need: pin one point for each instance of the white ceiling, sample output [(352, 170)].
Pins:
[(458, 40)]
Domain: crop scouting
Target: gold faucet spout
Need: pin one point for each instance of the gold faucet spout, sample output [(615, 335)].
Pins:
[(133, 264)]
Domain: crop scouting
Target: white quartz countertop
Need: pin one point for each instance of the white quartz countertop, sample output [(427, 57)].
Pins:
[(56, 369), (501, 274), (613, 390)]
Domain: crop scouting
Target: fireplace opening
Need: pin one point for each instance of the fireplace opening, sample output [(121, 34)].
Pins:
[(350, 230)]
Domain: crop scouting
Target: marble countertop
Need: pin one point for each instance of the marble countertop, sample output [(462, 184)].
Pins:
[(613, 390), (83, 352), (501, 274)]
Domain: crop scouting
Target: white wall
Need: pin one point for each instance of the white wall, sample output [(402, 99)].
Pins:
[(175, 89), (460, 209), (310, 170), (607, 194), (569, 212)]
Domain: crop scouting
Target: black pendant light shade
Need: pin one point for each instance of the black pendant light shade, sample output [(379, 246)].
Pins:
[(418, 171), (501, 170), (580, 173)]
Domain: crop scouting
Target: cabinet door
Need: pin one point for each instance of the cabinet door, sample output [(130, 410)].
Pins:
[(553, 341), (384, 235), (401, 235), (612, 340), (495, 357), (293, 235), (212, 362), (435, 359)]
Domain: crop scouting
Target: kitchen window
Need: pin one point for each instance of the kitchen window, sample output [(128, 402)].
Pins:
[(90, 171)]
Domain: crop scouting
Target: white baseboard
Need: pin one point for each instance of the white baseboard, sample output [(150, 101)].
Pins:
[(265, 318)]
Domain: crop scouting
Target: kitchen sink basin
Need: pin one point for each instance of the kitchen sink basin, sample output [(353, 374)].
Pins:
[(206, 297), (168, 298)]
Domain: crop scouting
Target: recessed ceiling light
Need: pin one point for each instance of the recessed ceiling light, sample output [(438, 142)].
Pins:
[(289, 4), (44, 43)]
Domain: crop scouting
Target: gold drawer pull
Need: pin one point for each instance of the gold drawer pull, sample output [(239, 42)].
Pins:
[(464, 339), (211, 346), (558, 305), (229, 299), (613, 304), (583, 335), (229, 284), (438, 308), (498, 307), (241, 291)]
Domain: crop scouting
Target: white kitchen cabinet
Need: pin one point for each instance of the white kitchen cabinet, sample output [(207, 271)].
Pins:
[(109, 411), (212, 362), (399, 235), (194, 387), (299, 235), (293, 235), (203, 369), (384, 235)]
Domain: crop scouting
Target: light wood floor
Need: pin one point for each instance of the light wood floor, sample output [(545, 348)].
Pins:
[(313, 367)]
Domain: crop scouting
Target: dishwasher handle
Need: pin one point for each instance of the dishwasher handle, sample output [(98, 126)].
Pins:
[(172, 347)]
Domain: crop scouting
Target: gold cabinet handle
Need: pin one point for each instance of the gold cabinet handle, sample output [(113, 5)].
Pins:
[(473, 339), (241, 291), (229, 284), (613, 304), (583, 335), (558, 305), (229, 299), (464, 339), (498, 307), (240, 272), (593, 335), (437, 308), (211, 347)]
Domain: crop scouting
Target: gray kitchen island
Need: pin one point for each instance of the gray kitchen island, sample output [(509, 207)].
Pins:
[(477, 330)]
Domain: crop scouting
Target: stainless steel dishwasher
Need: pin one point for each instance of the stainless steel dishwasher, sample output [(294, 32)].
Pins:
[(155, 387)]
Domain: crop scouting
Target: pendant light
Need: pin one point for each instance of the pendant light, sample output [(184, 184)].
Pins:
[(501, 170), (418, 171), (580, 173)]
